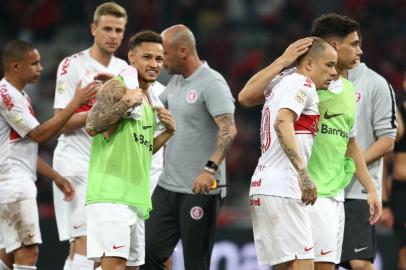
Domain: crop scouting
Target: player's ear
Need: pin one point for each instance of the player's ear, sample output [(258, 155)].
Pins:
[(93, 27), (308, 63), (131, 56)]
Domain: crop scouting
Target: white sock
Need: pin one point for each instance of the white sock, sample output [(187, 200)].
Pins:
[(67, 265), (24, 267), (3, 266), (80, 262)]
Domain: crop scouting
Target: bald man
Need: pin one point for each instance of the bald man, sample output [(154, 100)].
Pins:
[(185, 206)]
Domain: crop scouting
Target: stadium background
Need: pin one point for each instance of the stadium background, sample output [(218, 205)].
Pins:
[(236, 37)]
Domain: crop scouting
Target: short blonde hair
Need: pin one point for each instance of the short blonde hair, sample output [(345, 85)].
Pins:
[(109, 8)]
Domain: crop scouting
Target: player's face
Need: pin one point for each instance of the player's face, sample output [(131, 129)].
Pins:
[(323, 68), (108, 33), (148, 59), (30, 68), (349, 51), (171, 57)]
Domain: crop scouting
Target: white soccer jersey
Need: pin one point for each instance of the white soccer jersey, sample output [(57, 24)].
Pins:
[(157, 159), (275, 174), (18, 154), (71, 156)]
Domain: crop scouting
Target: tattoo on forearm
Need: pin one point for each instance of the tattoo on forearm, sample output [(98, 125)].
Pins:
[(226, 132), (108, 107), (292, 155)]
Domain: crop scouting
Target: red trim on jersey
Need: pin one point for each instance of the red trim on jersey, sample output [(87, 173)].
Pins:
[(306, 124), (86, 107), (14, 135)]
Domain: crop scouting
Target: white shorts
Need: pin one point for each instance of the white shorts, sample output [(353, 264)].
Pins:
[(282, 229), (71, 216), (328, 218), (115, 230), (19, 224)]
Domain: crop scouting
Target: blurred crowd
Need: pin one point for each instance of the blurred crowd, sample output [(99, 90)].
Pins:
[(237, 38)]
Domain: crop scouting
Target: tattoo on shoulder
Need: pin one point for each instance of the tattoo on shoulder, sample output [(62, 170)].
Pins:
[(108, 107)]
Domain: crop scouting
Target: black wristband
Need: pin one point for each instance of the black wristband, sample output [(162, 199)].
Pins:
[(385, 204), (210, 164)]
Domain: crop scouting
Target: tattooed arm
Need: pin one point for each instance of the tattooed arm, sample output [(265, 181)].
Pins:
[(253, 92), (227, 132), (286, 135), (112, 102)]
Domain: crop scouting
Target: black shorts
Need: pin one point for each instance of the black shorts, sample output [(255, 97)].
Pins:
[(398, 205), (189, 217), (359, 236)]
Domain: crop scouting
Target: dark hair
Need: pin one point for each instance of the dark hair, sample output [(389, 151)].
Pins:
[(333, 25), (317, 47), (15, 51), (144, 36)]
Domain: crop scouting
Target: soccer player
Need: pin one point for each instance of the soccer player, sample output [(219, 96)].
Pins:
[(376, 132), (332, 167), (118, 195), (71, 155), (20, 133), (281, 187), (203, 108)]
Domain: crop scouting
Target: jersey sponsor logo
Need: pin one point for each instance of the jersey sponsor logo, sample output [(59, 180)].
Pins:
[(65, 66), (191, 96), (197, 212), (255, 202), (256, 183), (308, 82), (301, 96), (117, 247), (8, 102), (358, 96), (333, 131), (329, 116), (306, 249), (356, 250), (31, 235), (322, 253), (139, 138), (146, 127)]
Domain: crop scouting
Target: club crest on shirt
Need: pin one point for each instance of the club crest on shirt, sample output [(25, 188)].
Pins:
[(301, 96), (197, 212), (357, 96), (191, 96)]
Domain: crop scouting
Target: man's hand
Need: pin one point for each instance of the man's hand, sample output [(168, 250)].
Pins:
[(166, 118), (308, 188), (387, 218), (203, 182), (295, 50), (375, 207), (65, 186), (84, 94)]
